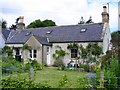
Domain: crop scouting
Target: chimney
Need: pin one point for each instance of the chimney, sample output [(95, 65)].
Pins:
[(105, 15), (20, 23)]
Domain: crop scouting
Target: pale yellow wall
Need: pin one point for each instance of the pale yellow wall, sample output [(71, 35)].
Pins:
[(34, 44), (67, 57)]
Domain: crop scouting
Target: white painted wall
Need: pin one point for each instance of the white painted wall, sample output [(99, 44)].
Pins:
[(2, 41), (67, 57), (106, 38)]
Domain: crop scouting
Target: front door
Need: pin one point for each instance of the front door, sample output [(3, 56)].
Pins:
[(48, 55)]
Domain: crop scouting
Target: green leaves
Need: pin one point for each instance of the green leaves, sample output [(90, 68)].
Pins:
[(59, 55), (26, 47), (38, 23)]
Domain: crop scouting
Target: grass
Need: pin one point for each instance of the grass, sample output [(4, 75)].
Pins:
[(52, 76)]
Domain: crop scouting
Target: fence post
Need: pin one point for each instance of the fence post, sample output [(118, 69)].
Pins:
[(102, 79), (31, 73)]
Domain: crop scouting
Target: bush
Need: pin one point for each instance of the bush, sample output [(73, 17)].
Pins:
[(34, 63), (86, 67), (10, 65), (63, 81), (21, 83)]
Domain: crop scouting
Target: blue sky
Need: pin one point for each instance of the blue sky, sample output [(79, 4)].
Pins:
[(63, 12)]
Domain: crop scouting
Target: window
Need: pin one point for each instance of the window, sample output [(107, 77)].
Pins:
[(83, 30), (33, 54), (30, 53), (17, 51), (74, 53)]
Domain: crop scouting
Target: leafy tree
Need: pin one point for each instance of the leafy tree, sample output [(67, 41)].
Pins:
[(82, 21), (48, 23), (3, 24), (7, 50), (89, 20), (38, 23), (115, 38), (13, 27)]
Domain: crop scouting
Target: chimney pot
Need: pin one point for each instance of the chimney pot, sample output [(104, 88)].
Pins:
[(105, 15), (104, 9), (20, 25)]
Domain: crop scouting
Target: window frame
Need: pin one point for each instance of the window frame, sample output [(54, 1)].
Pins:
[(33, 54), (74, 53)]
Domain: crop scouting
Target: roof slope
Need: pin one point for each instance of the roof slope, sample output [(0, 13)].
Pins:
[(5, 33), (57, 34)]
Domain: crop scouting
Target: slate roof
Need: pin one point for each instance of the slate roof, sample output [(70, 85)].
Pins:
[(5, 33), (42, 40), (60, 34)]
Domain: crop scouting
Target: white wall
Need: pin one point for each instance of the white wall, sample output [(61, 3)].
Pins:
[(67, 57), (2, 41), (106, 38)]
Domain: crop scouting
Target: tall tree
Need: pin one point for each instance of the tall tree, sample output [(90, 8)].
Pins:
[(82, 21), (89, 20), (115, 38), (38, 23), (3, 24)]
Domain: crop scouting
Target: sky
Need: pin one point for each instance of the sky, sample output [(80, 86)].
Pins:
[(62, 12)]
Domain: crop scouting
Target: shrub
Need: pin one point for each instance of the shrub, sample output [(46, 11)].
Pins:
[(10, 65), (82, 83), (86, 67), (63, 81), (34, 63), (21, 83)]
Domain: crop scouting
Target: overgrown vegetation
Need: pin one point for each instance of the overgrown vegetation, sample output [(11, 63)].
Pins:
[(22, 83), (59, 56)]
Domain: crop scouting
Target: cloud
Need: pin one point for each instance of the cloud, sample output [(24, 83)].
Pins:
[(10, 7), (63, 12)]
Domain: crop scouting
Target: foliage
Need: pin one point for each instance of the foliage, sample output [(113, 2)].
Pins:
[(86, 67), (111, 71), (94, 49), (82, 21), (8, 50), (22, 83), (34, 63), (10, 65), (115, 38), (83, 52), (38, 23), (89, 20), (26, 47), (73, 46), (90, 54), (63, 81), (4, 24), (59, 55), (83, 82), (106, 59)]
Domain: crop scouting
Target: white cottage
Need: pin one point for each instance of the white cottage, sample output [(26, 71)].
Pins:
[(43, 41)]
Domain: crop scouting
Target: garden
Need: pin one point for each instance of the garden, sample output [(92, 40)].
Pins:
[(16, 74)]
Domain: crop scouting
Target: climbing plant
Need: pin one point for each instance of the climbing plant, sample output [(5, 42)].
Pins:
[(8, 50), (72, 45), (26, 47), (58, 56)]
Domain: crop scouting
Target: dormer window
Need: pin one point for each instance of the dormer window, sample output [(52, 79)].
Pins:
[(83, 30), (28, 33), (48, 32)]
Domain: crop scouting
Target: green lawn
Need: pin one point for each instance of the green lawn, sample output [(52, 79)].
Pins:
[(52, 76)]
